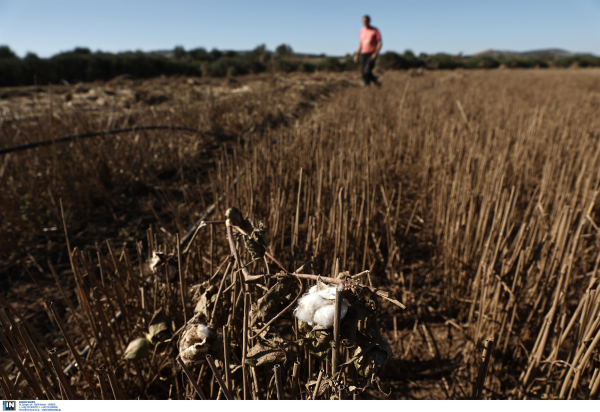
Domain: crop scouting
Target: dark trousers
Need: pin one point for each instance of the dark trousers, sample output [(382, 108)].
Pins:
[(366, 68)]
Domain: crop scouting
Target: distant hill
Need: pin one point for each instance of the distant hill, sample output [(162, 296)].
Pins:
[(531, 53)]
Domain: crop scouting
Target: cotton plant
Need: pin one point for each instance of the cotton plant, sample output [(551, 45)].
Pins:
[(193, 345), (317, 306), (199, 339)]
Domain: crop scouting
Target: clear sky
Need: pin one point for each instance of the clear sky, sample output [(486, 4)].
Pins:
[(46, 27)]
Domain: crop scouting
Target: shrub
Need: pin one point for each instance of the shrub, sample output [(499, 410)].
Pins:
[(232, 66), (261, 56), (284, 65), (393, 61), (257, 67), (307, 67), (488, 63), (587, 60), (215, 54), (199, 54), (563, 61), (412, 60), (518, 62), (330, 64), (179, 52), (10, 72), (348, 63), (442, 61)]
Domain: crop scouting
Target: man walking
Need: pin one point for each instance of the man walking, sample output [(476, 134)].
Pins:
[(368, 47)]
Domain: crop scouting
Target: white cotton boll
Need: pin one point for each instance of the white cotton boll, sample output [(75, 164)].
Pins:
[(317, 306), (328, 293), (307, 306), (313, 289), (313, 301), (202, 331), (324, 316), (304, 314)]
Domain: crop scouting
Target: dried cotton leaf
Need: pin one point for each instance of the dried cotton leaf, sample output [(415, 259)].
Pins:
[(137, 349)]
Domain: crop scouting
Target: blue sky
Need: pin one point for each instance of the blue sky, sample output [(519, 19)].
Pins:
[(326, 26)]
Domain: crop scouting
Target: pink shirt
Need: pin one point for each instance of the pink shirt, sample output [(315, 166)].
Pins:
[(368, 39)]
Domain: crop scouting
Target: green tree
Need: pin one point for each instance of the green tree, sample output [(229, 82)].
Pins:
[(81, 50), (179, 53), (199, 54), (395, 61), (7, 53), (284, 50), (215, 54)]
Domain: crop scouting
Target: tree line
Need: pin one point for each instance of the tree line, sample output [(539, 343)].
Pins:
[(83, 65)]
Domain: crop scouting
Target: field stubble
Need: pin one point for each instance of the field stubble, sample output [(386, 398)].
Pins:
[(471, 197)]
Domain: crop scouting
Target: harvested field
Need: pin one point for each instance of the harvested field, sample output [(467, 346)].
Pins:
[(470, 197)]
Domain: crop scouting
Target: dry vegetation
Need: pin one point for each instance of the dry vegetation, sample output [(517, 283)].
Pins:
[(471, 197)]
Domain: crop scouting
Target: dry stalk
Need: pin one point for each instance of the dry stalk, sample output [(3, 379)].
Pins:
[(217, 375), (73, 350), (22, 369), (114, 384), (191, 379), (318, 384), (65, 386), (482, 372), (245, 343), (278, 382), (335, 350), (295, 380)]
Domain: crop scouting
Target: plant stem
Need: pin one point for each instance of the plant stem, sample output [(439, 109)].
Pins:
[(215, 371), (191, 379), (278, 382), (335, 351)]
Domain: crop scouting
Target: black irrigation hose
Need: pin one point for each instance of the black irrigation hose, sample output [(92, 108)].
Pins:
[(211, 209), (95, 134)]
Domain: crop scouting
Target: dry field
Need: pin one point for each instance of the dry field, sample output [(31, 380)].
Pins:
[(469, 196)]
